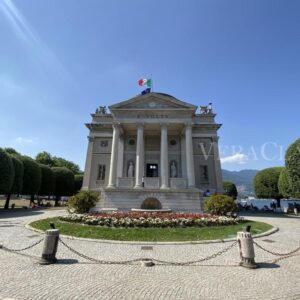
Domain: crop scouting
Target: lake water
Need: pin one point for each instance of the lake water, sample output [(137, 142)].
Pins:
[(260, 203)]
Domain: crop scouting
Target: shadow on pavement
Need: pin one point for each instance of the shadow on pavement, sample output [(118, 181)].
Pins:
[(5, 214), (67, 261), (265, 265), (267, 215)]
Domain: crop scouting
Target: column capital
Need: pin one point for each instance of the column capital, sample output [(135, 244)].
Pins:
[(116, 125), (188, 124), (164, 125), (140, 125)]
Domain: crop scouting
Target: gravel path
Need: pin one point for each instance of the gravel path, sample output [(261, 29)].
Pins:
[(74, 277)]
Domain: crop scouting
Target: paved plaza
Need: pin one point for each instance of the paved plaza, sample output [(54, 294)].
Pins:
[(74, 277)]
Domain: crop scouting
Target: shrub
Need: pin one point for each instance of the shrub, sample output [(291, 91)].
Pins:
[(284, 185), (18, 179), (48, 181), (78, 182), (32, 176), (220, 205), (7, 173), (292, 163), (83, 201)]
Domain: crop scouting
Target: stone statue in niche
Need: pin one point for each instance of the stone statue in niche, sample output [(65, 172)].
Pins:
[(173, 169), (130, 170)]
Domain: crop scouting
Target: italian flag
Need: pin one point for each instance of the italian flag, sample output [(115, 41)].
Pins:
[(147, 82)]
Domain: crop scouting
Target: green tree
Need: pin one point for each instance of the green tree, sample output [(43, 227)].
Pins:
[(7, 173), (78, 182), (18, 179), (230, 189), (45, 158), (48, 181), (292, 164), (64, 182), (284, 185), (265, 184), (32, 177), (12, 151), (61, 162), (53, 161)]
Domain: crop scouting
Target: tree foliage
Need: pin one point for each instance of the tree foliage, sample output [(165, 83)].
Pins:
[(52, 161), (284, 185), (7, 172), (220, 205), (292, 163), (83, 201), (265, 183), (78, 182), (230, 189), (18, 179), (64, 181), (32, 176), (19, 173), (45, 158), (12, 151), (48, 181)]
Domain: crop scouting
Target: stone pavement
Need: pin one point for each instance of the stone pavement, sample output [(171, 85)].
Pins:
[(74, 277)]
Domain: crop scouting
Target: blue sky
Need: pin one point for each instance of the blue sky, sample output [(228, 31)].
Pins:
[(60, 60)]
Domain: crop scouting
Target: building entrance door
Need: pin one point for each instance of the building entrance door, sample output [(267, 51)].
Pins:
[(152, 170)]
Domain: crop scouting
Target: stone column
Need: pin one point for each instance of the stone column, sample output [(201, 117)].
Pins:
[(114, 157), (189, 156), (88, 165), (164, 160), (120, 157), (217, 163), (139, 165)]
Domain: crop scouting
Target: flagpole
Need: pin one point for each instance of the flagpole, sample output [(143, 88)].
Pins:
[(152, 83)]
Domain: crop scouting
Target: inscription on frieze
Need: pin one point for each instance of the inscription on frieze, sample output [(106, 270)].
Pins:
[(147, 116)]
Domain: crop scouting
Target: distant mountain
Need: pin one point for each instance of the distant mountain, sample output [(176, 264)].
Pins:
[(242, 179)]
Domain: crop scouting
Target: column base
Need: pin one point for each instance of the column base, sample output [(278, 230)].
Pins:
[(138, 187), (111, 187), (164, 187)]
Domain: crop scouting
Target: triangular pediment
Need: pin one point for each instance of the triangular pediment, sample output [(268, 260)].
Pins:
[(153, 101)]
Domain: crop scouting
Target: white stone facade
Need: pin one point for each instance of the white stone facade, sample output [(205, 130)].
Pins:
[(152, 146)]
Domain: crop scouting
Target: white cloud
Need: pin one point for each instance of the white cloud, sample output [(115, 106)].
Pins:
[(239, 158), (24, 141)]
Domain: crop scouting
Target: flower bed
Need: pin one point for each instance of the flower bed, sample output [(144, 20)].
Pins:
[(144, 219)]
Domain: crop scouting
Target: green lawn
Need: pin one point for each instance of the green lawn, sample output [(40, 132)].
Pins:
[(150, 234)]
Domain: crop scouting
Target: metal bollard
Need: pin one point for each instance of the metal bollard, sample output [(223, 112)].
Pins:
[(50, 247), (246, 249), (147, 263)]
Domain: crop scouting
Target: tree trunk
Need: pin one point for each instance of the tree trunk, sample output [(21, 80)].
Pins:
[(31, 199), (57, 198), (6, 206), (278, 203)]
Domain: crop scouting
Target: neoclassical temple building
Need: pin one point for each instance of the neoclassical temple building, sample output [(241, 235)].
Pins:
[(153, 150)]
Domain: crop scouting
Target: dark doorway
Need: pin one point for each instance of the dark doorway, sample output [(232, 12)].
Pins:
[(152, 170)]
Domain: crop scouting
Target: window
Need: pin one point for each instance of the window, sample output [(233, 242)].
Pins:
[(204, 174), (101, 172), (104, 143)]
